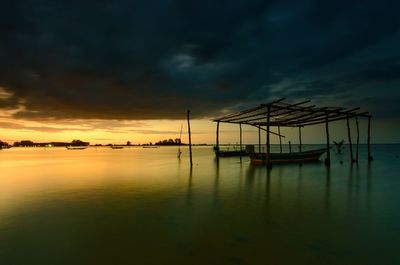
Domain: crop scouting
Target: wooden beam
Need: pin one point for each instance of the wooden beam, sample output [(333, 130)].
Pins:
[(370, 158), (321, 116), (240, 126), (300, 142), (333, 119), (238, 114), (268, 151), (273, 102), (190, 139), (217, 139), (280, 139), (261, 115), (349, 137), (303, 113), (300, 108), (328, 148), (251, 116), (317, 120), (259, 139), (257, 126), (358, 139)]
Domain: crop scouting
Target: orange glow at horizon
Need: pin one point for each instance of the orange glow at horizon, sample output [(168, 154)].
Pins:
[(145, 131)]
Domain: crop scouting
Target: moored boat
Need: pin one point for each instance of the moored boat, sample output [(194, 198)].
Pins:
[(228, 153), (235, 152), (76, 147), (117, 147), (296, 157)]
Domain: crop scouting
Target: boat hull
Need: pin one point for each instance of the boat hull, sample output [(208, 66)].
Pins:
[(76, 148), (230, 153), (281, 158)]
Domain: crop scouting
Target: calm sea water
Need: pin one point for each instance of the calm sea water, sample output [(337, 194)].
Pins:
[(144, 206)]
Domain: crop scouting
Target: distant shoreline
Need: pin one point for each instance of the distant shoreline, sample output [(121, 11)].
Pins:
[(184, 145)]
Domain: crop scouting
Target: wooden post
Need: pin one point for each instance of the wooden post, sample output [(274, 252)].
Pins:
[(240, 126), (217, 140), (358, 139), (268, 151), (328, 149), (300, 146), (290, 146), (370, 158), (349, 136), (280, 138), (190, 139), (259, 139)]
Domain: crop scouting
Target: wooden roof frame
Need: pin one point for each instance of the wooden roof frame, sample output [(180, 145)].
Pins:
[(282, 114)]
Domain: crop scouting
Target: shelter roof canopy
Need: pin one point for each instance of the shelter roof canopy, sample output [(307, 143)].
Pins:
[(284, 114)]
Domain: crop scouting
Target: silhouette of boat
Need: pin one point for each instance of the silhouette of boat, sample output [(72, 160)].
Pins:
[(76, 147), (229, 153), (296, 157), (117, 147)]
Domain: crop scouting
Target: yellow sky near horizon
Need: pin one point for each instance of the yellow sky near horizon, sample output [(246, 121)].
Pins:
[(203, 131)]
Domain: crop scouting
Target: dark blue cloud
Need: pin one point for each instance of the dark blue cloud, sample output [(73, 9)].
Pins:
[(154, 59)]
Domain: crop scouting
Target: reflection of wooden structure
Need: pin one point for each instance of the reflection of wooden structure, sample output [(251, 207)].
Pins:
[(281, 114), (296, 157)]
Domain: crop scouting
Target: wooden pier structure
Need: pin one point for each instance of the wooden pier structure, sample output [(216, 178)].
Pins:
[(280, 114)]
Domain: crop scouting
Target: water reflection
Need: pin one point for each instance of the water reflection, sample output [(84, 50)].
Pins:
[(327, 190), (216, 183), (267, 191), (300, 186), (190, 184), (145, 201)]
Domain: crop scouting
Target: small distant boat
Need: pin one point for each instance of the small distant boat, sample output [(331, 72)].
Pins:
[(150, 146), (76, 147), (117, 147), (296, 157)]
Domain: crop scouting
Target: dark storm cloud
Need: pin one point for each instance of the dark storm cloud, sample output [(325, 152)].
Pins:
[(155, 59), (45, 129)]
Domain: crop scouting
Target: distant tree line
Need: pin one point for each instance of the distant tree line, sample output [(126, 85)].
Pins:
[(28, 143), (177, 141), (4, 145)]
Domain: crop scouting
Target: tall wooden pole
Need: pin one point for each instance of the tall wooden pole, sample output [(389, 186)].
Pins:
[(259, 139), (349, 136), (190, 139), (328, 149), (240, 126), (369, 140), (217, 140), (358, 138), (280, 138), (268, 151), (300, 147)]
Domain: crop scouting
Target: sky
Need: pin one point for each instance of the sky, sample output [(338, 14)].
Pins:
[(113, 71)]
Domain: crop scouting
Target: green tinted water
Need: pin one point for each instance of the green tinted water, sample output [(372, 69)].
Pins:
[(144, 206)]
